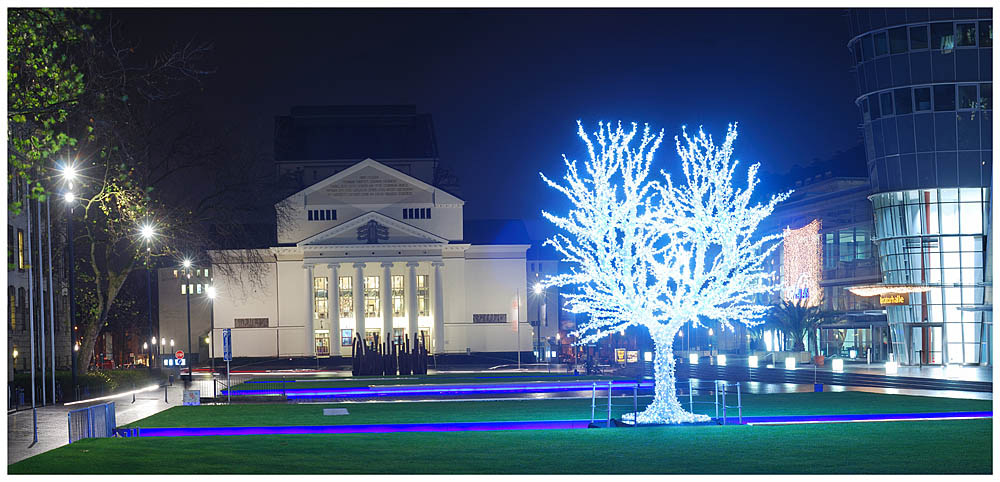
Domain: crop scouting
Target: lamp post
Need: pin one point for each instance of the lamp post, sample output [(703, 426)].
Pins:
[(211, 327), (538, 330), (187, 275), (152, 357), (69, 175), (148, 232), (14, 354)]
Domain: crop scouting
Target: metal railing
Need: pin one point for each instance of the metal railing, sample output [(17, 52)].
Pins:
[(719, 387), (91, 422)]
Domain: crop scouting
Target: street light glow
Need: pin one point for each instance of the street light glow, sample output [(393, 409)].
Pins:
[(187, 263), (14, 354), (145, 346), (69, 197), (538, 288), (154, 341), (69, 172), (171, 343), (210, 291), (147, 232)]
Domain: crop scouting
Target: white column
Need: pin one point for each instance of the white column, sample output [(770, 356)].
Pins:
[(310, 312), (438, 308), (359, 299), (411, 301), (386, 296), (333, 308)]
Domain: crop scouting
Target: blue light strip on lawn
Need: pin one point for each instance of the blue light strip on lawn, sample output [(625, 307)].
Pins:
[(347, 429), (375, 391), (870, 417)]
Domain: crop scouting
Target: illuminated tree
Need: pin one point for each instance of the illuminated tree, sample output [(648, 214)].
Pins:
[(660, 255)]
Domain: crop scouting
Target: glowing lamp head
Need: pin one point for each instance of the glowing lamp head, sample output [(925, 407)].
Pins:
[(208, 339), (14, 353), (210, 291), (153, 341), (538, 288), (171, 343), (69, 172), (720, 360), (69, 197), (163, 341), (752, 361), (147, 232), (186, 263), (76, 347), (710, 332), (145, 346)]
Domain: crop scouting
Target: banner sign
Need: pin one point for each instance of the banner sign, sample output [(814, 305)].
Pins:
[(227, 344), (894, 299), (620, 355)]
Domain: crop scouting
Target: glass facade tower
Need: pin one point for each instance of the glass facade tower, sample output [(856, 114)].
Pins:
[(924, 78)]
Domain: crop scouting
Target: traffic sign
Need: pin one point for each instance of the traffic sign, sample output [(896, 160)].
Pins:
[(227, 344), (179, 354)]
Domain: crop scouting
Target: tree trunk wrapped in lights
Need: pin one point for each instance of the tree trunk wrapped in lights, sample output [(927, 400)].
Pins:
[(658, 255)]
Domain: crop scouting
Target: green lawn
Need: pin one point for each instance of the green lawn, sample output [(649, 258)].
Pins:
[(960, 446), (827, 403), (847, 448)]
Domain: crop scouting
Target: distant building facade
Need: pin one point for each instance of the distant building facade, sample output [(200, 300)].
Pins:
[(373, 251), (926, 103)]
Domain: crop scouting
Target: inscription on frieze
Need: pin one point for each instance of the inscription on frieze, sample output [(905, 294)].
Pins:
[(369, 186)]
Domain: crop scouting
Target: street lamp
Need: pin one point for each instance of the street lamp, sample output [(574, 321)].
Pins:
[(152, 358), (68, 173), (187, 296), (148, 233), (538, 289), (211, 327), (14, 355)]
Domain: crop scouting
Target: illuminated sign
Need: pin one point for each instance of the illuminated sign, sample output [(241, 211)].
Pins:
[(632, 356), (620, 355), (894, 299)]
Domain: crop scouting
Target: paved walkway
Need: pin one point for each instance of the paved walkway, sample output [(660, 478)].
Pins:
[(52, 421)]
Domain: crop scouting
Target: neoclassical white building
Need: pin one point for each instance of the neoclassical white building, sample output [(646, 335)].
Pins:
[(371, 248)]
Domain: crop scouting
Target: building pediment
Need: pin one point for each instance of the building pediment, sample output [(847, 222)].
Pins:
[(370, 182), (372, 228)]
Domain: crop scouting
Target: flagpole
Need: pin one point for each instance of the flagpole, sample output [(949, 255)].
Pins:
[(517, 325)]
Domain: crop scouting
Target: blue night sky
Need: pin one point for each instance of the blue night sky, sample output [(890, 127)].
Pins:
[(505, 87)]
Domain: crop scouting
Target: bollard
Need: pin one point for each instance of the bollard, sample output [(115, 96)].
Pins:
[(723, 403), (635, 405), (133, 393), (739, 403), (716, 399), (690, 395), (165, 394), (609, 404), (593, 402)]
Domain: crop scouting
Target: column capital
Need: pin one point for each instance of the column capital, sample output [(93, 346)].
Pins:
[(412, 264), (360, 264), (333, 266), (386, 264), (308, 266), (437, 264)]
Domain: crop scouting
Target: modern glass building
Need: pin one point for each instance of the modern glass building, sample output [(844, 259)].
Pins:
[(926, 101)]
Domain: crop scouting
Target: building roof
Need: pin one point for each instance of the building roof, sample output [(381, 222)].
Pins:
[(354, 132), (495, 231)]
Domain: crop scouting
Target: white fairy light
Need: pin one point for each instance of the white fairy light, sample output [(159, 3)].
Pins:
[(802, 264), (654, 254), (881, 289)]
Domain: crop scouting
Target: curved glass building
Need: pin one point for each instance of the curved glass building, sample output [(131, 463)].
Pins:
[(924, 77)]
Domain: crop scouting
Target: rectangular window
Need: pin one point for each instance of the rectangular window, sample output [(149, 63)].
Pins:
[(967, 97), (371, 333), (405, 214), (881, 44), (966, 33), (183, 289), (371, 297), (986, 96), (904, 101), (398, 305), (428, 213), (310, 215), (207, 275), (346, 337), (346, 297), (873, 103), (866, 116), (320, 297), (943, 36), (397, 336), (918, 37), (885, 101), (10, 245), (922, 99), (866, 47), (944, 97), (175, 274), (897, 40), (986, 33), (423, 306), (20, 250), (199, 288)]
